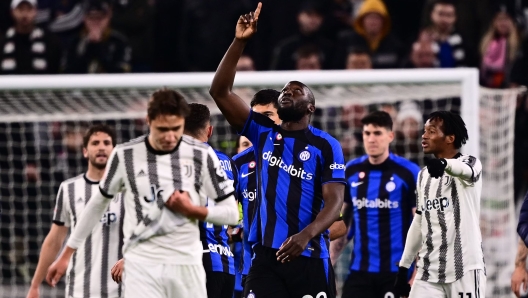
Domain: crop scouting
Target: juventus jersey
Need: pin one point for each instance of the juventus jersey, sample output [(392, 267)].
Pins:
[(152, 232), (88, 273), (450, 213)]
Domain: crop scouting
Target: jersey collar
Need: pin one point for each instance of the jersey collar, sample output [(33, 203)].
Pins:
[(158, 152), (88, 180)]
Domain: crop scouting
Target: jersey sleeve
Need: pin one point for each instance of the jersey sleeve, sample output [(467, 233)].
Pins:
[(255, 125), (418, 193), (476, 169), (61, 213), (411, 184), (235, 177), (215, 181), (333, 163), (112, 180)]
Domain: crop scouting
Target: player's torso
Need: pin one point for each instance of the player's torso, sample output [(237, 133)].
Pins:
[(452, 243), (88, 272), (381, 209)]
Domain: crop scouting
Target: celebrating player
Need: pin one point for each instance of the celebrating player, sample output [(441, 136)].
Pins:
[(445, 232), (88, 275), (300, 178), (380, 196), (167, 178)]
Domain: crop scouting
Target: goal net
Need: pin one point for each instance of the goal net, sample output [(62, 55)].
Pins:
[(42, 120)]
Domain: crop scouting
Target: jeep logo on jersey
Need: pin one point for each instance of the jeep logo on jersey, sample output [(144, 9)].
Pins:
[(220, 249), (155, 193), (250, 195), (337, 166), (304, 155), (108, 218), (438, 203)]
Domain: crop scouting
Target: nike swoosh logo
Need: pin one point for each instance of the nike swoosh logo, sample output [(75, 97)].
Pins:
[(356, 184), (245, 175)]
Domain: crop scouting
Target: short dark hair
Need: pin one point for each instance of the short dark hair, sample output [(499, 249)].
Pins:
[(197, 119), (359, 51), (378, 118), (307, 51), (452, 124), (442, 2), (167, 102), (265, 97), (98, 128)]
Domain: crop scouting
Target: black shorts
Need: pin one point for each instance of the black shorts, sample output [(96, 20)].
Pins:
[(302, 277), (220, 284), (367, 284)]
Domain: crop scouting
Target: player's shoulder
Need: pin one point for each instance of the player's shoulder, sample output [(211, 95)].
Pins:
[(356, 161), (245, 156), (132, 143), (77, 178), (322, 139), (405, 163), (221, 155), (196, 144), (471, 160)]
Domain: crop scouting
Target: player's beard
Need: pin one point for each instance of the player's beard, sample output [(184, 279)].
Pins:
[(97, 165), (293, 113)]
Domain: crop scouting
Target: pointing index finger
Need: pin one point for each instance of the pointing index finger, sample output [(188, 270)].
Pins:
[(257, 11)]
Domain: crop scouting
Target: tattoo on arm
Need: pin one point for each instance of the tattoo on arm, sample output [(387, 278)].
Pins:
[(522, 253)]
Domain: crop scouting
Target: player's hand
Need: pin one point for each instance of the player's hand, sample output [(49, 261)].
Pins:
[(519, 276), (401, 286), (247, 24), (436, 167), (57, 270), (292, 247), (180, 201), (34, 292), (117, 271)]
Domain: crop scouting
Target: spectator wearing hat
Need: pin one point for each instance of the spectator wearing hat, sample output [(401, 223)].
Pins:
[(26, 48), (98, 49), (408, 125)]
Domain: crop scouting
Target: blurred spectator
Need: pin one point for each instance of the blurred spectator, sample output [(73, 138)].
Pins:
[(422, 55), (409, 124), (339, 15), (309, 19), (498, 49), (371, 31), (135, 19), (245, 63), (406, 18), (308, 57), (448, 43), (26, 48), (358, 59), (98, 49), (64, 17), (207, 31), (5, 17)]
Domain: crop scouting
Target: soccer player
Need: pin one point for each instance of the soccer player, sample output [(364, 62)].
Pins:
[(520, 275), (218, 260), (167, 179), (300, 184), (88, 275), (379, 204), (445, 231)]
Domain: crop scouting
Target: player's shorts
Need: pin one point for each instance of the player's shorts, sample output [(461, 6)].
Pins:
[(367, 284), (472, 284), (302, 277), (220, 284), (152, 280)]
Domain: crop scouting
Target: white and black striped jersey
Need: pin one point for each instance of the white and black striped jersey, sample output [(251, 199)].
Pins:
[(88, 273), (153, 233), (450, 213)]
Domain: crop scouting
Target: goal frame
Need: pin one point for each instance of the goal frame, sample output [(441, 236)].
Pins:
[(466, 77)]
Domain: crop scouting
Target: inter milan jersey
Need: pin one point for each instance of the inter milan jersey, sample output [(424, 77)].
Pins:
[(292, 167), (217, 255), (382, 197), (246, 189)]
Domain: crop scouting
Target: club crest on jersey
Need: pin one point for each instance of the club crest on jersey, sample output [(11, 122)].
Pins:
[(252, 164), (361, 175), (304, 155), (188, 171), (278, 137), (390, 186)]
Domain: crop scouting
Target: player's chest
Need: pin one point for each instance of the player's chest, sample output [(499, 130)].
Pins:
[(111, 216), (439, 194), (248, 183), (375, 190)]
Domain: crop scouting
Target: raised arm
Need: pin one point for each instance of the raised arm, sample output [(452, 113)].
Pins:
[(235, 110)]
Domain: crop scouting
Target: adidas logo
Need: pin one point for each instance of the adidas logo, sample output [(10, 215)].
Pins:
[(141, 174)]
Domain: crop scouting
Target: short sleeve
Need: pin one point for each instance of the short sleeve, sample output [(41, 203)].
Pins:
[(255, 125), (112, 180), (215, 181), (333, 162), (61, 213)]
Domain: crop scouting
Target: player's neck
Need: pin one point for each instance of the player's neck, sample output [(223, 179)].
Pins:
[(94, 174), (376, 160), (447, 154), (296, 125)]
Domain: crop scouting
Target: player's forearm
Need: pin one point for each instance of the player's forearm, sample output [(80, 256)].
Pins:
[(459, 169), (522, 253), (337, 230), (48, 253), (91, 215), (413, 242), (224, 212)]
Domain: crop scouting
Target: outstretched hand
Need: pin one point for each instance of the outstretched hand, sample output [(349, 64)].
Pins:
[(247, 24)]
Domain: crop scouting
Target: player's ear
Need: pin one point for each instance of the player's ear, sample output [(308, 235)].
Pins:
[(209, 131), (147, 119), (450, 139), (311, 108), (391, 136), (85, 152)]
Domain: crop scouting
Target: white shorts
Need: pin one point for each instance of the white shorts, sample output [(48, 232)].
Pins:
[(142, 280), (471, 285)]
